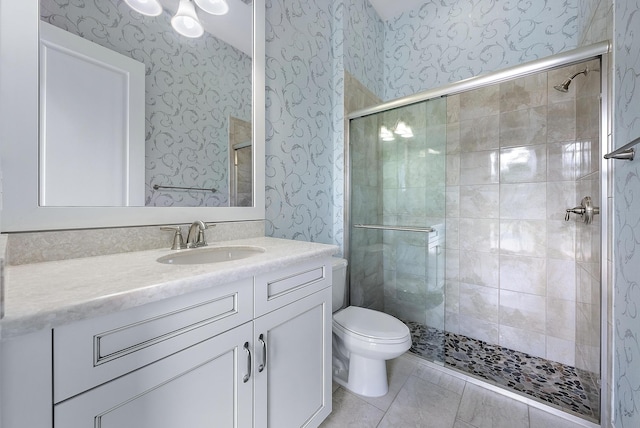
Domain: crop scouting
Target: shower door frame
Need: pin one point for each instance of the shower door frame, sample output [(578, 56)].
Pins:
[(599, 51)]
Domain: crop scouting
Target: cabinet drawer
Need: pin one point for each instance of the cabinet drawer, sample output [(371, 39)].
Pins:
[(276, 289), (91, 352), (197, 387)]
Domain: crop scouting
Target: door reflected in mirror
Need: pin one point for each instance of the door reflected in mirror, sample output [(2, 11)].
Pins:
[(197, 106)]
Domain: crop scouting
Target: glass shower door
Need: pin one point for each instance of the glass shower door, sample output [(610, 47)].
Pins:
[(397, 218)]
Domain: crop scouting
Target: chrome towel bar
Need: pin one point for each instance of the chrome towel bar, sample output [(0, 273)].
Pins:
[(401, 228), (625, 152), (157, 186)]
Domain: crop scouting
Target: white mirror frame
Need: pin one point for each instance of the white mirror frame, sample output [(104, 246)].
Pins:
[(19, 77)]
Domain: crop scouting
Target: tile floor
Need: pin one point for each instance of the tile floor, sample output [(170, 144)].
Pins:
[(422, 394)]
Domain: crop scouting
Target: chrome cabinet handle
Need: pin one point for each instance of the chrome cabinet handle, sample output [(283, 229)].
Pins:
[(264, 353), (246, 377)]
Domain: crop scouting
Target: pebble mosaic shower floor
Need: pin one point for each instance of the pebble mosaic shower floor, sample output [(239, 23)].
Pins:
[(568, 388)]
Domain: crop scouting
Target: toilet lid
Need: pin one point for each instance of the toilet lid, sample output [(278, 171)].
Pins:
[(370, 323)]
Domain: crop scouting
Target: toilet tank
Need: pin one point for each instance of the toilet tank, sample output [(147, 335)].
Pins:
[(339, 283)]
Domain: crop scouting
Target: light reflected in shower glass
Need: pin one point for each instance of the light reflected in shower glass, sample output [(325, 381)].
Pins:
[(398, 179)]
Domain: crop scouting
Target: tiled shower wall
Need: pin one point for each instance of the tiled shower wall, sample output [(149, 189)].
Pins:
[(512, 157)]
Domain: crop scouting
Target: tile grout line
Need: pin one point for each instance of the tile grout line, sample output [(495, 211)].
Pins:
[(415, 363)]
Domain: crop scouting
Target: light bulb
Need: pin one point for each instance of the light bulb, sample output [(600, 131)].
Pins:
[(213, 7), (145, 7), (186, 21)]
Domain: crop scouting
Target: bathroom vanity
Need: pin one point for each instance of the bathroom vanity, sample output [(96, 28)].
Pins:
[(126, 341)]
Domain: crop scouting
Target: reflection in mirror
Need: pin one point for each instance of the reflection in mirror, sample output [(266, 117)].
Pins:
[(240, 156), (197, 90)]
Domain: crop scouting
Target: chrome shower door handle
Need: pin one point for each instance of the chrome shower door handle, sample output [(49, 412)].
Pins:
[(264, 353), (586, 210), (246, 377)]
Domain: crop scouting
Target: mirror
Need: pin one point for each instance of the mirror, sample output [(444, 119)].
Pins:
[(196, 103), (20, 133)]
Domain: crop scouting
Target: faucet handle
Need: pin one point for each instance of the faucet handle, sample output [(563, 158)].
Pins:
[(178, 241), (202, 240)]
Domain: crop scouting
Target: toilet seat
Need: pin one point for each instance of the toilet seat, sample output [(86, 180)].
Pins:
[(370, 325)]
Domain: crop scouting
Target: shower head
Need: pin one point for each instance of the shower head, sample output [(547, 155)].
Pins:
[(564, 86)]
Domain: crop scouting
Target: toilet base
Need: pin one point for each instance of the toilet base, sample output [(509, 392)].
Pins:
[(366, 377)]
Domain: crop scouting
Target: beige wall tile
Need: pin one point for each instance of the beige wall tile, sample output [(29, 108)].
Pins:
[(527, 341), (526, 164), (523, 127), (479, 302), (523, 311), (524, 93), (523, 274)]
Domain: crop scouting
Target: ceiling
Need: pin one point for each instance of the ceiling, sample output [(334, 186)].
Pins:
[(388, 9)]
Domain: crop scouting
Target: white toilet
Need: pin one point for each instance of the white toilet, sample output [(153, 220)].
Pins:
[(363, 339)]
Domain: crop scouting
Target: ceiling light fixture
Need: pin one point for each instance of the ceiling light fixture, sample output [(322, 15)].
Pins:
[(186, 21), (145, 7), (213, 7)]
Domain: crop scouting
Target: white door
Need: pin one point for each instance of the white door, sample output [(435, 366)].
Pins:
[(91, 123), (294, 387), (201, 386)]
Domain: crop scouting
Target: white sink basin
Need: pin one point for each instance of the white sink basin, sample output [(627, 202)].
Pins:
[(211, 255)]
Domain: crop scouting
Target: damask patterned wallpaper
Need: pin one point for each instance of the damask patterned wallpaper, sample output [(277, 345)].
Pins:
[(364, 40), (447, 41), (301, 106), (338, 114), (627, 217), (190, 93)]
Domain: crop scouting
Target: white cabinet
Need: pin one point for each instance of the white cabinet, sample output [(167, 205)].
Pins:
[(294, 388), (91, 352), (201, 386), (292, 335), (249, 354)]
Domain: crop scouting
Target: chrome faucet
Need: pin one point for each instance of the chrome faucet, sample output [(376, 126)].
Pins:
[(195, 237)]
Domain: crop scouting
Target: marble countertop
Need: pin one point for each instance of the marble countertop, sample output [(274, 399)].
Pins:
[(49, 294)]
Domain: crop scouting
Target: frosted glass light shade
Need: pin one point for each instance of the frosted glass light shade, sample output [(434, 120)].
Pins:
[(213, 7), (145, 7), (186, 21)]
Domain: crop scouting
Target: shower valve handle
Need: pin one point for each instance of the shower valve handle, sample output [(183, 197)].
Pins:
[(576, 210), (586, 210)]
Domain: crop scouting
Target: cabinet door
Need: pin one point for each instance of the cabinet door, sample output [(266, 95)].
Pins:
[(201, 386), (294, 388)]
